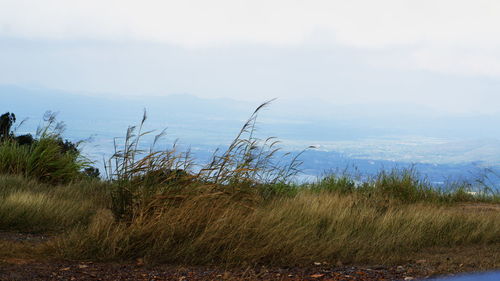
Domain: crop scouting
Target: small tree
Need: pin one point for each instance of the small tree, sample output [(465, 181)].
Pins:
[(6, 122)]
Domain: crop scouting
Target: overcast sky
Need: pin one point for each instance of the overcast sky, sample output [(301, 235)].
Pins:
[(442, 54)]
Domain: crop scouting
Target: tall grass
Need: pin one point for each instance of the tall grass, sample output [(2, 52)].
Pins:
[(248, 159), (309, 227), (46, 159), (405, 185), (27, 205), (43, 161), (251, 160), (143, 174), (241, 207)]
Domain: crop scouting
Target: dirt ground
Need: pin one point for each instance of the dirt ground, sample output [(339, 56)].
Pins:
[(18, 263), (435, 262), (26, 270)]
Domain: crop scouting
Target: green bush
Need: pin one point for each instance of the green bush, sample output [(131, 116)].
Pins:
[(44, 160), (45, 157), (335, 183), (405, 184)]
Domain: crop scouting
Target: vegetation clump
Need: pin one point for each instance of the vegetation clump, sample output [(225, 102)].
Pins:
[(45, 157)]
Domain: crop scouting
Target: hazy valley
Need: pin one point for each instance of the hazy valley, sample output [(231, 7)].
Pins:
[(346, 138)]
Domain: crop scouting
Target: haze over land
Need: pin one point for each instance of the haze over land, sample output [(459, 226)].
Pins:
[(449, 146), (368, 83)]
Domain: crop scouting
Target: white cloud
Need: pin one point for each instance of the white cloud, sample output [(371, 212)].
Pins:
[(453, 36), (197, 22), (348, 51), (458, 61), (187, 23)]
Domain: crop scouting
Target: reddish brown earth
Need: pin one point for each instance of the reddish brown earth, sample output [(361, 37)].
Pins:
[(21, 265), (28, 270)]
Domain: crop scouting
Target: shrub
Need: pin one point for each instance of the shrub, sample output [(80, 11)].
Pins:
[(6, 122), (404, 184), (335, 183), (44, 161), (47, 158)]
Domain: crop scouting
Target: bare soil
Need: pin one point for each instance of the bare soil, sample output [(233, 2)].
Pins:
[(29, 270), (19, 261)]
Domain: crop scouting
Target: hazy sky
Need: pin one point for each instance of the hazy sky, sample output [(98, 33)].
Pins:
[(440, 54)]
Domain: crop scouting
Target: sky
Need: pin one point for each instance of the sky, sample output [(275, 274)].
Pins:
[(439, 54)]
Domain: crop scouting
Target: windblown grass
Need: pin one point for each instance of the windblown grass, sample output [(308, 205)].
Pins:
[(247, 162), (46, 159), (217, 228), (242, 207), (27, 205), (405, 185)]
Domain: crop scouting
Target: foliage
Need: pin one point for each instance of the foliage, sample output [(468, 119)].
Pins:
[(6, 122), (47, 158), (404, 185)]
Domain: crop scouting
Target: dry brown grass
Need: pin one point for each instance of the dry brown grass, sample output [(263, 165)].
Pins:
[(241, 209), (31, 206), (216, 228)]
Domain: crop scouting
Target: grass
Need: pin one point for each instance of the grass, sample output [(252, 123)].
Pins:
[(407, 185), (45, 160), (241, 226), (27, 205), (241, 208), (298, 230)]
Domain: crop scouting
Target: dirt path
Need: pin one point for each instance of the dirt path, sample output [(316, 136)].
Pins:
[(20, 265), (16, 269)]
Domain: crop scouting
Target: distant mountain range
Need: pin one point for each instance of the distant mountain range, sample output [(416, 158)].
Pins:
[(357, 135)]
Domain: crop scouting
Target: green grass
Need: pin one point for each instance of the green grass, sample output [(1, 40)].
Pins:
[(43, 161), (405, 185), (30, 206)]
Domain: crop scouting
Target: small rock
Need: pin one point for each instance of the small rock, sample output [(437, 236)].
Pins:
[(409, 278), (400, 268), (317, 263), (81, 266)]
